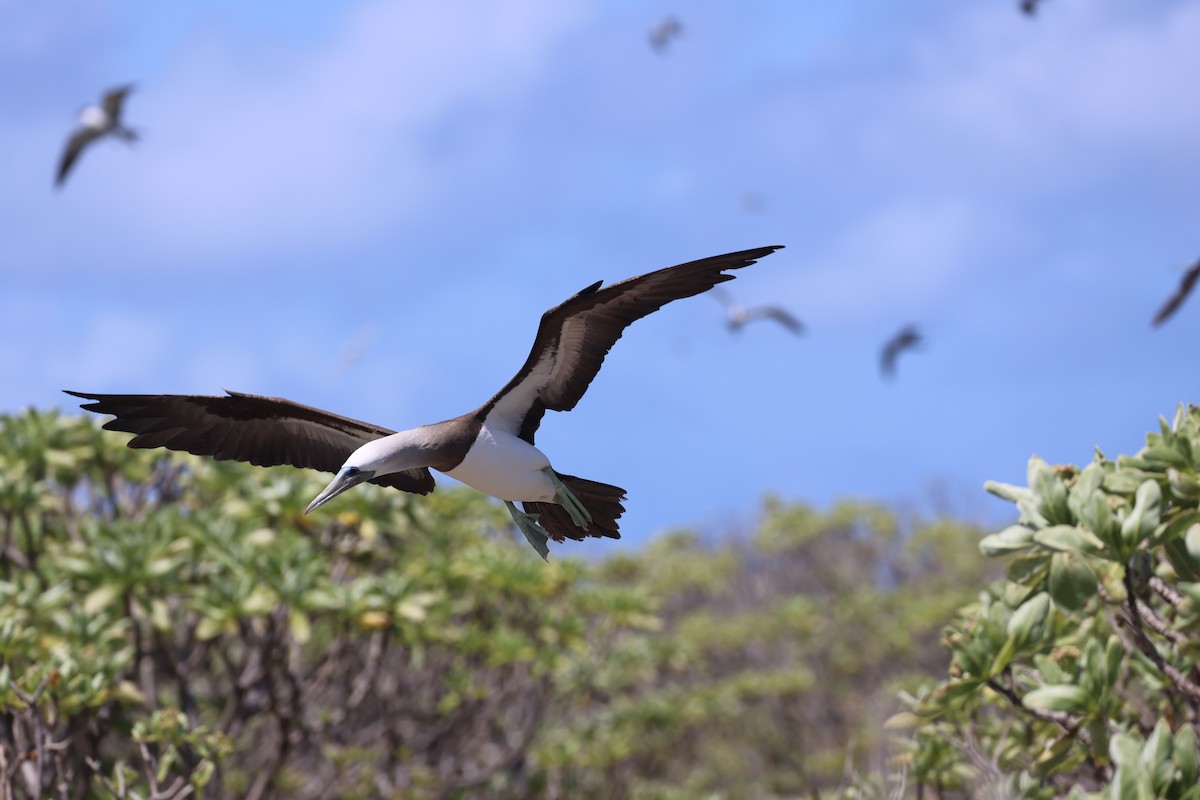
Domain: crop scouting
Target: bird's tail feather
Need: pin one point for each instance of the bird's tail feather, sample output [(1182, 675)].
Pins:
[(602, 501)]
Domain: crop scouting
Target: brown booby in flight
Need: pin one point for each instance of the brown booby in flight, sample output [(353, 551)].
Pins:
[(738, 315), (664, 32), (907, 338), (96, 122), (1186, 285), (491, 448)]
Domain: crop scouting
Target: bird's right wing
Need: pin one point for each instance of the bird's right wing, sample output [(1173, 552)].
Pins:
[(1176, 300), (575, 336), (264, 431), (114, 100), (79, 140)]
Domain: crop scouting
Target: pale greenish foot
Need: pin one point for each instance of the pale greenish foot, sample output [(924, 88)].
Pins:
[(528, 523), (567, 499)]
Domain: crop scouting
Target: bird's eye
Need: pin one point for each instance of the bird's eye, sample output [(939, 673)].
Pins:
[(351, 470)]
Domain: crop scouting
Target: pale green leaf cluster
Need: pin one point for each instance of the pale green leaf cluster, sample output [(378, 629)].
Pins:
[(1077, 674)]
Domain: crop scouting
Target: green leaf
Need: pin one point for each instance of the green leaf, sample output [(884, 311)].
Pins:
[(1155, 759), (301, 629), (1163, 456), (1055, 753), (1027, 621), (1114, 655), (1147, 510), (1059, 697), (1010, 540), (1185, 755), (1183, 485), (1072, 583), (1125, 749), (1006, 491), (1191, 540), (1068, 538), (1123, 480), (1051, 492), (100, 598)]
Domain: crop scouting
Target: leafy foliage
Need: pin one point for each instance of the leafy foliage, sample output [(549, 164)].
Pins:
[(1077, 675), (172, 627)]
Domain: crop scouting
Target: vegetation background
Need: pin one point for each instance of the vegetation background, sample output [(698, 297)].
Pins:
[(171, 626), (1023, 186)]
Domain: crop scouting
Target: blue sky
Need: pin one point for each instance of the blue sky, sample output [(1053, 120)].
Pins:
[(422, 180)]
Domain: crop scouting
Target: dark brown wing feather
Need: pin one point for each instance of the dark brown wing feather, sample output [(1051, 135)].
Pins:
[(264, 431), (907, 338), (1176, 300), (574, 337), (75, 145), (114, 101)]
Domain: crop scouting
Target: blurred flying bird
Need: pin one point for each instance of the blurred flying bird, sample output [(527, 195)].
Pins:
[(664, 33), (738, 315), (491, 448), (906, 339), (1176, 300), (1030, 7), (96, 122)]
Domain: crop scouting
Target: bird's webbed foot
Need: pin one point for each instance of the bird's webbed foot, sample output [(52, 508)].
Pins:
[(567, 499), (528, 523)]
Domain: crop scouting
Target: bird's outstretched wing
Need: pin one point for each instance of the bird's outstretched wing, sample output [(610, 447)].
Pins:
[(907, 338), (264, 431), (80, 139), (574, 337), (1186, 285), (114, 101), (778, 314)]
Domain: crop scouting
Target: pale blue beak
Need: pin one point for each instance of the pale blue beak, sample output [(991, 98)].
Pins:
[(347, 477)]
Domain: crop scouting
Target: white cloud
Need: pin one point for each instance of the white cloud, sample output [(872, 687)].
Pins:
[(246, 152)]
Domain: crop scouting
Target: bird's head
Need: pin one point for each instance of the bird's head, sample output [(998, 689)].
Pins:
[(394, 453)]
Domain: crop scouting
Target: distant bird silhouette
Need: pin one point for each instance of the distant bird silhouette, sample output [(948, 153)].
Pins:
[(906, 339), (738, 315), (1176, 300), (1030, 7), (96, 122), (664, 33)]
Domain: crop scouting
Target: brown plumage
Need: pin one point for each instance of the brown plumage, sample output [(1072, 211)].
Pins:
[(602, 501), (263, 431), (572, 340), (575, 336), (906, 339), (664, 33), (1186, 285)]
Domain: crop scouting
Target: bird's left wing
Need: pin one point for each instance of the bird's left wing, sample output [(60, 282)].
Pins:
[(779, 315), (264, 431), (79, 140), (574, 337)]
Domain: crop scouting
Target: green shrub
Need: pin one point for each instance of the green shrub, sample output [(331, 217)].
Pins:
[(1077, 675), (172, 626)]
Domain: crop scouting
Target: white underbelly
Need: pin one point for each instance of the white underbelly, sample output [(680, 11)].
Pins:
[(506, 467)]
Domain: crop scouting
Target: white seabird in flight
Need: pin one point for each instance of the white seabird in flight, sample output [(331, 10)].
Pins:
[(96, 122)]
